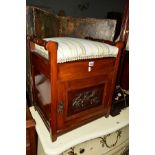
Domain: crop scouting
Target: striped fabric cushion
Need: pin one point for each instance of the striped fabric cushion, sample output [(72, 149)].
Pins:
[(72, 49)]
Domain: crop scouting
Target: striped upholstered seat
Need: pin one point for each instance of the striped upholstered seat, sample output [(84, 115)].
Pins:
[(72, 49)]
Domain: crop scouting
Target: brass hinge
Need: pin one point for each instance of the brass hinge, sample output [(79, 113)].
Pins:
[(61, 107)]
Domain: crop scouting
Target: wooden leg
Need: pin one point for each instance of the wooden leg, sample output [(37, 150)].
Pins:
[(54, 137), (107, 115)]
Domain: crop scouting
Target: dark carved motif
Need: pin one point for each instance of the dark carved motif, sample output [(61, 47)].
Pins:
[(104, 143), (104, 139), (72, 151), (86, 98)]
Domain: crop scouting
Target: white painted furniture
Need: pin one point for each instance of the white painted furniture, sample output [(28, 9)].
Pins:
[(104, 136)]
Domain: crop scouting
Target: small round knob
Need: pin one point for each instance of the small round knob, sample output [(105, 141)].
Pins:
[(82, 151)]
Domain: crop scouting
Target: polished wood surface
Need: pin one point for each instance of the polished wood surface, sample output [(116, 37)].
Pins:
[(124, 34), (31, 143), (52, 48), (72, 81)]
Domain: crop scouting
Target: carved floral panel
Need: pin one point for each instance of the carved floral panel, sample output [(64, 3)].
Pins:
[(83, 99)]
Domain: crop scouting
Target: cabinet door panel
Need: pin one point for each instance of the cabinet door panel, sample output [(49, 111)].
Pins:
[(84, 100)]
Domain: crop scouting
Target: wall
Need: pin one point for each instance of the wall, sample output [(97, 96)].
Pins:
[(96, 8)]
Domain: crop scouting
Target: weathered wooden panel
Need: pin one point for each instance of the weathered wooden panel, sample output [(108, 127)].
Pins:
[(45, 23), (29, 21), (87, 27)]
